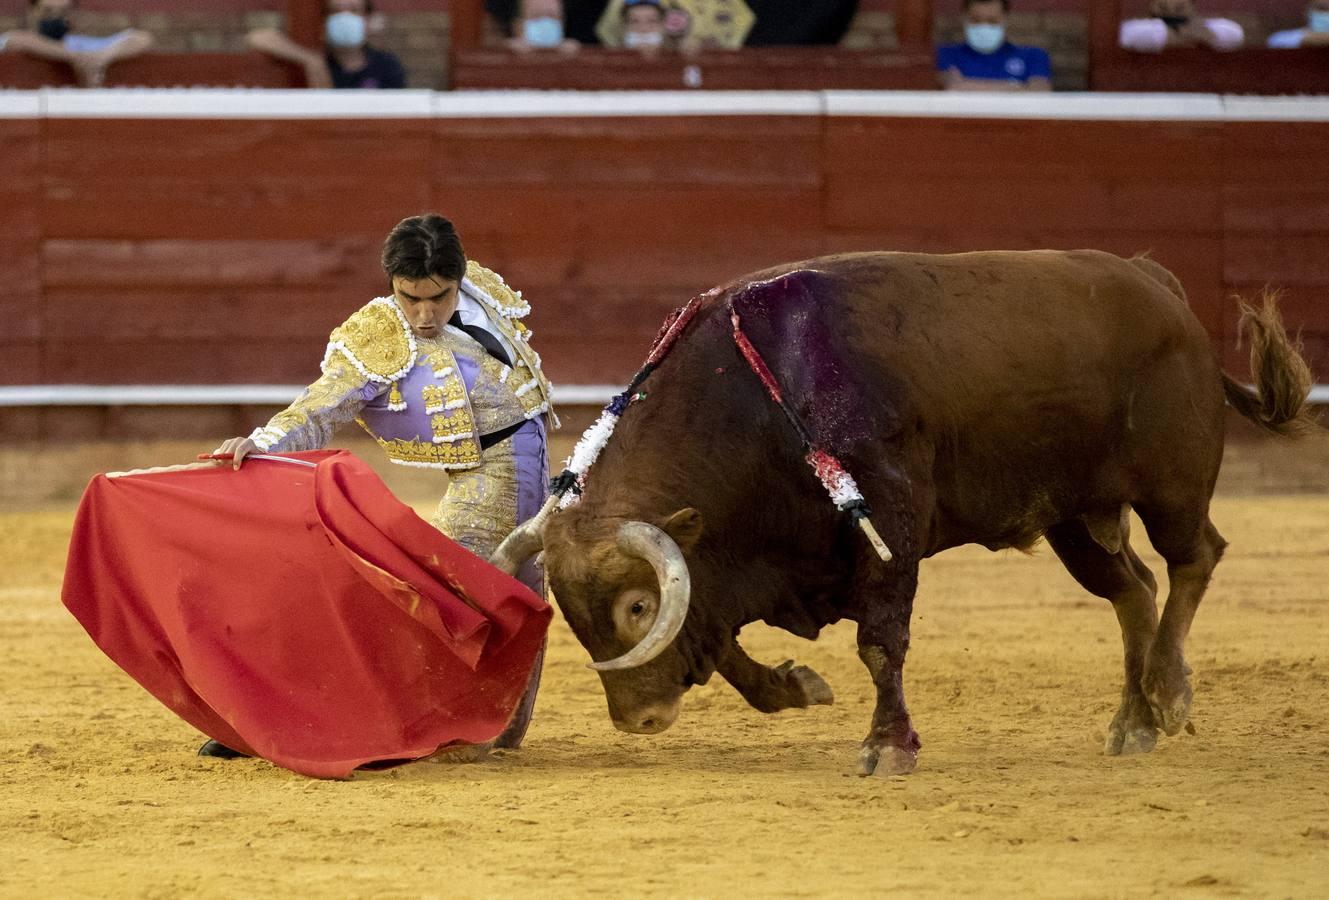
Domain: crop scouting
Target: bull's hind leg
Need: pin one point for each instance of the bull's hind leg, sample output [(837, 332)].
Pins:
[(1122, 578), (1192, 547), (772, 689), (891, 747)]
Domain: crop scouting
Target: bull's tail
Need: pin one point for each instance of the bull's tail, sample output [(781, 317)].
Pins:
[(1282, 377)]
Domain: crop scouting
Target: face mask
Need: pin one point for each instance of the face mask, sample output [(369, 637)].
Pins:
[(984, 38), (345, 29), (643, 39), (53, 27), (546, 32), (1174, 22), (1319, 20)]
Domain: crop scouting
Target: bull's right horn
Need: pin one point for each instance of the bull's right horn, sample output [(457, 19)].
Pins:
[(526, 540), (652, 544)]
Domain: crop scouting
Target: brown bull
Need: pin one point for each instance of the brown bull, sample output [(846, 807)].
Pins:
[(989, 398)]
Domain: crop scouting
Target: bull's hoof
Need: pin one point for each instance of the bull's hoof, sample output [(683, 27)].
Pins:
[(1172, 713), (1168, 690), (812, 687), (886, 761), (1132, 729)]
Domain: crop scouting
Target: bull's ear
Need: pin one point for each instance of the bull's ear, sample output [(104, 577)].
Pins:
[(684, 527)]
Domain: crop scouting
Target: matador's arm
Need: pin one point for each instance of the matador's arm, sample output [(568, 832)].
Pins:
[(309, 423)]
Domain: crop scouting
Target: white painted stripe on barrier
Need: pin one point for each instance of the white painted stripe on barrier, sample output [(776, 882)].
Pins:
[(269, 394), (561, 104), (260, 103), (586, 394), (1276, 109), (968, 105), (20, 104), (220, 394), (147, 395), (234, 103)]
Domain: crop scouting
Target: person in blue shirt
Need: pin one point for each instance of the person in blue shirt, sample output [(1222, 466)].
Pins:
[(346, 59), (986, 61)]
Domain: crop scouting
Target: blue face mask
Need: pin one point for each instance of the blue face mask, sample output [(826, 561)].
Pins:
[(1319, 20), (345, 29), (545, 33), (984, 38)]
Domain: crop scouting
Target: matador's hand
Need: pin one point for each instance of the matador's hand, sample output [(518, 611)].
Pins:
[(238, 448)]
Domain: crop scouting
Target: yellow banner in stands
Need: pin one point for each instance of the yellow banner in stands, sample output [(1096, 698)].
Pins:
[(689, 24)]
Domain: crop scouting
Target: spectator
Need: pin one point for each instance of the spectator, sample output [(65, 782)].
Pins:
[(579, 17), (793, 22), (50, 36), (347, 60), (540, 27), (643, 25), (986, 61), (1315, 34), (1173, 23)]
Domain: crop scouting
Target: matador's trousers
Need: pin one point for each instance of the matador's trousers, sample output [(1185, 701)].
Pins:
[(483, 505)]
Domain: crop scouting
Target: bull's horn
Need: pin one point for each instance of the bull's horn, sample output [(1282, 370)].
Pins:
[(657, 548), (526, 540)]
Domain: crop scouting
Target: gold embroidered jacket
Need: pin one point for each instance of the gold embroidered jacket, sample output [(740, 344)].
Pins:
[(426, 401)]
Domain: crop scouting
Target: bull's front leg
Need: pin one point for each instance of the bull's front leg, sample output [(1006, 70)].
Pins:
[(772, 689), (891, 747)]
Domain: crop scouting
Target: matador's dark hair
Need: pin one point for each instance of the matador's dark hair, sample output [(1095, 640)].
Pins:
[(424, 247)]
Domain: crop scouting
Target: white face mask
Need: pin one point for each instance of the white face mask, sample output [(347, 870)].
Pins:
[(643, 39), (984, 38), (345, 29), (1319, 20), (544, 32)]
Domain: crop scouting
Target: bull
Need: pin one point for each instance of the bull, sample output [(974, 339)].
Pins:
[(990, 398)]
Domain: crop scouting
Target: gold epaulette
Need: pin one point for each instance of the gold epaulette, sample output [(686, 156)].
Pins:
[(376, 340), (495, 293)]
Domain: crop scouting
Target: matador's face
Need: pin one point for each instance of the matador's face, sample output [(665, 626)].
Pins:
[(427, 303)]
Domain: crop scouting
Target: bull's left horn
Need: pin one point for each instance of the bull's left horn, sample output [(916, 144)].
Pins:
[(657, 548), (526, 540)]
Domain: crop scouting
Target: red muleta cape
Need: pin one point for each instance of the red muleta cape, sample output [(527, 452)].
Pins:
[(301, 614)]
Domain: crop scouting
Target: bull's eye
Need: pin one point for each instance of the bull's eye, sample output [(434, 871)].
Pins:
[(632, 613)]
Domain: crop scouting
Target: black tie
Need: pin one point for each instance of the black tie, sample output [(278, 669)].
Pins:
[(482, 337)]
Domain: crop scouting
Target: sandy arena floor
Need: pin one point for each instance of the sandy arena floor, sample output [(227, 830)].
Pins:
[(1012, 679)]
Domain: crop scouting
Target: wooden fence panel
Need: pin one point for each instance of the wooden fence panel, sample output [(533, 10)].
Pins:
[(217, 251), (21, 333), (216, 179), (1276, 218)]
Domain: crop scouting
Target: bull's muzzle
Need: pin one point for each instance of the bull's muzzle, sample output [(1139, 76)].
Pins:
[(650, 719)]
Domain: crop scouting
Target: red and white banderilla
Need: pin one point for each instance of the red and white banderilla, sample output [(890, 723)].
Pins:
[(837, 481)]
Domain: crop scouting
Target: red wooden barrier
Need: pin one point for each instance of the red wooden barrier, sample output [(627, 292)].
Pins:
[(757, 68), (159, 70), (21, 337), (216, 251)]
